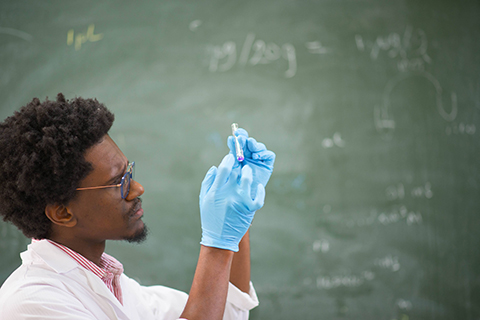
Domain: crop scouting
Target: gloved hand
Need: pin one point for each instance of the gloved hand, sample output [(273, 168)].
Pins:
[(256, 156), (227, 205)]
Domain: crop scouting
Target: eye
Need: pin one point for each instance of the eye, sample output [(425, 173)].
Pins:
[(118, 180)]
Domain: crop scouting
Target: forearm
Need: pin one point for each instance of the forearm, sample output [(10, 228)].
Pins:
[(240, 271), (208, 294)]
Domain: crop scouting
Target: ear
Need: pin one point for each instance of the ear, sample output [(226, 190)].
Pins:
[(60, 215)]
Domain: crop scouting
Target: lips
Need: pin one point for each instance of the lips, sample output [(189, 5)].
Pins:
[(138, 213), (136, 209)]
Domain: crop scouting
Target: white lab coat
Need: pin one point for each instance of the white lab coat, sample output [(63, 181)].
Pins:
[(51, 285)]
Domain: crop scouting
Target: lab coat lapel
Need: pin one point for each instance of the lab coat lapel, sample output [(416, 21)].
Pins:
[(97, 285), (59, 261)]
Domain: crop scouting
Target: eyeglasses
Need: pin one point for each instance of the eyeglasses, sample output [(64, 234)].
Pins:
[(124, 184)]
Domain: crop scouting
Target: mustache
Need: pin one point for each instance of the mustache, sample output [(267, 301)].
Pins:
[(136, 206)]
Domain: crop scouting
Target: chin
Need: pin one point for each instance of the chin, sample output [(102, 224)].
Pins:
[(139, 236)]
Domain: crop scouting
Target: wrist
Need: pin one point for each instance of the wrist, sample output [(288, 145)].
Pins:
[(212, 239), (221, 256), (220, 244)]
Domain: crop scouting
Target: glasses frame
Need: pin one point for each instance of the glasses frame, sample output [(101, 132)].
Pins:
[(130, 173)]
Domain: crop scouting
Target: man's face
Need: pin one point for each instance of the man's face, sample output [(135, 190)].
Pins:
[(102, 213)]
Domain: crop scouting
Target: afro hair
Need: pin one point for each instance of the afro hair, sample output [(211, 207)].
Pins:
[(42, 149)]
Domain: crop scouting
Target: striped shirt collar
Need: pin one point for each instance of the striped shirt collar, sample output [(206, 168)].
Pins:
[(109, 270)]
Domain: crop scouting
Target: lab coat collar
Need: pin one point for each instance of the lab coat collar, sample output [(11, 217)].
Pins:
[(62, 263), (53, 256)]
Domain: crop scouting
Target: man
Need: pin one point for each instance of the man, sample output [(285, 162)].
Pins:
[(67, 185)]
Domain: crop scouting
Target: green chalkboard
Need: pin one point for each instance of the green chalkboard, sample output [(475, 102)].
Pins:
[(372, 107)]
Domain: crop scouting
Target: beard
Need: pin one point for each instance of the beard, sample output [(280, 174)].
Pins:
[(139, 236)]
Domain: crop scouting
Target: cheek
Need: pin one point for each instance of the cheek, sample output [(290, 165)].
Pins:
[(100, 206)]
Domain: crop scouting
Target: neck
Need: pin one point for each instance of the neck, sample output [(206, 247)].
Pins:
[(91, 251)]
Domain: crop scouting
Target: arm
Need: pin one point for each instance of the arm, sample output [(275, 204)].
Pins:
[(261, 161), (217, 263), (240, 271), (213, 268), (226, 211), (210, 285)]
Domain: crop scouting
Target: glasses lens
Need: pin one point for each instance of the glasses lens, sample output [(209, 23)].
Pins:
[(125, 185), (127, 178)]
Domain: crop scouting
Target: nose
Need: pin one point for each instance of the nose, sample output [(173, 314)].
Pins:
[(136, 190)]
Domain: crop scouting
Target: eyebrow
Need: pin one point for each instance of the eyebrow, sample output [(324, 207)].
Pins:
[(119, 176)]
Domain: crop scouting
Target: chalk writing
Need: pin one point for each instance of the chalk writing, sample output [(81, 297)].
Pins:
[(461, 128), (397, 192), (396, 214), (321, 245), (315, 47), (400, 214), (349, 281), (253, 52), (383, 117), (423, 191), (410, 50), (383, 121), (389, 262), (17, 33), (336, 140), (404, 304), (193, 26), (81, 38)]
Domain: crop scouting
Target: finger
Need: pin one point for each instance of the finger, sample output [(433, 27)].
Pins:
[(241, 132), (266, 156), (259, 199), (265, 164), (246, 180), (208, 181), (255, 146), (223, 171), (234, 175), (231, 144)]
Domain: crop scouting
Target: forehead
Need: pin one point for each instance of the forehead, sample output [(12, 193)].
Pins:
[(106, 158)]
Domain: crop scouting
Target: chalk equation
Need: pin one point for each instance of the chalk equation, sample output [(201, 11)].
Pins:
[(460, 129), (397, 192), (389, 263), (80, 38), (400, 214), (383, 115), (348, 281), (253, 52), (396, 214), (409, 49)]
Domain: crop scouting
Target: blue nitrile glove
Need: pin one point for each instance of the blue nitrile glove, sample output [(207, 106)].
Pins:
[(227, 205), (256, 156)]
